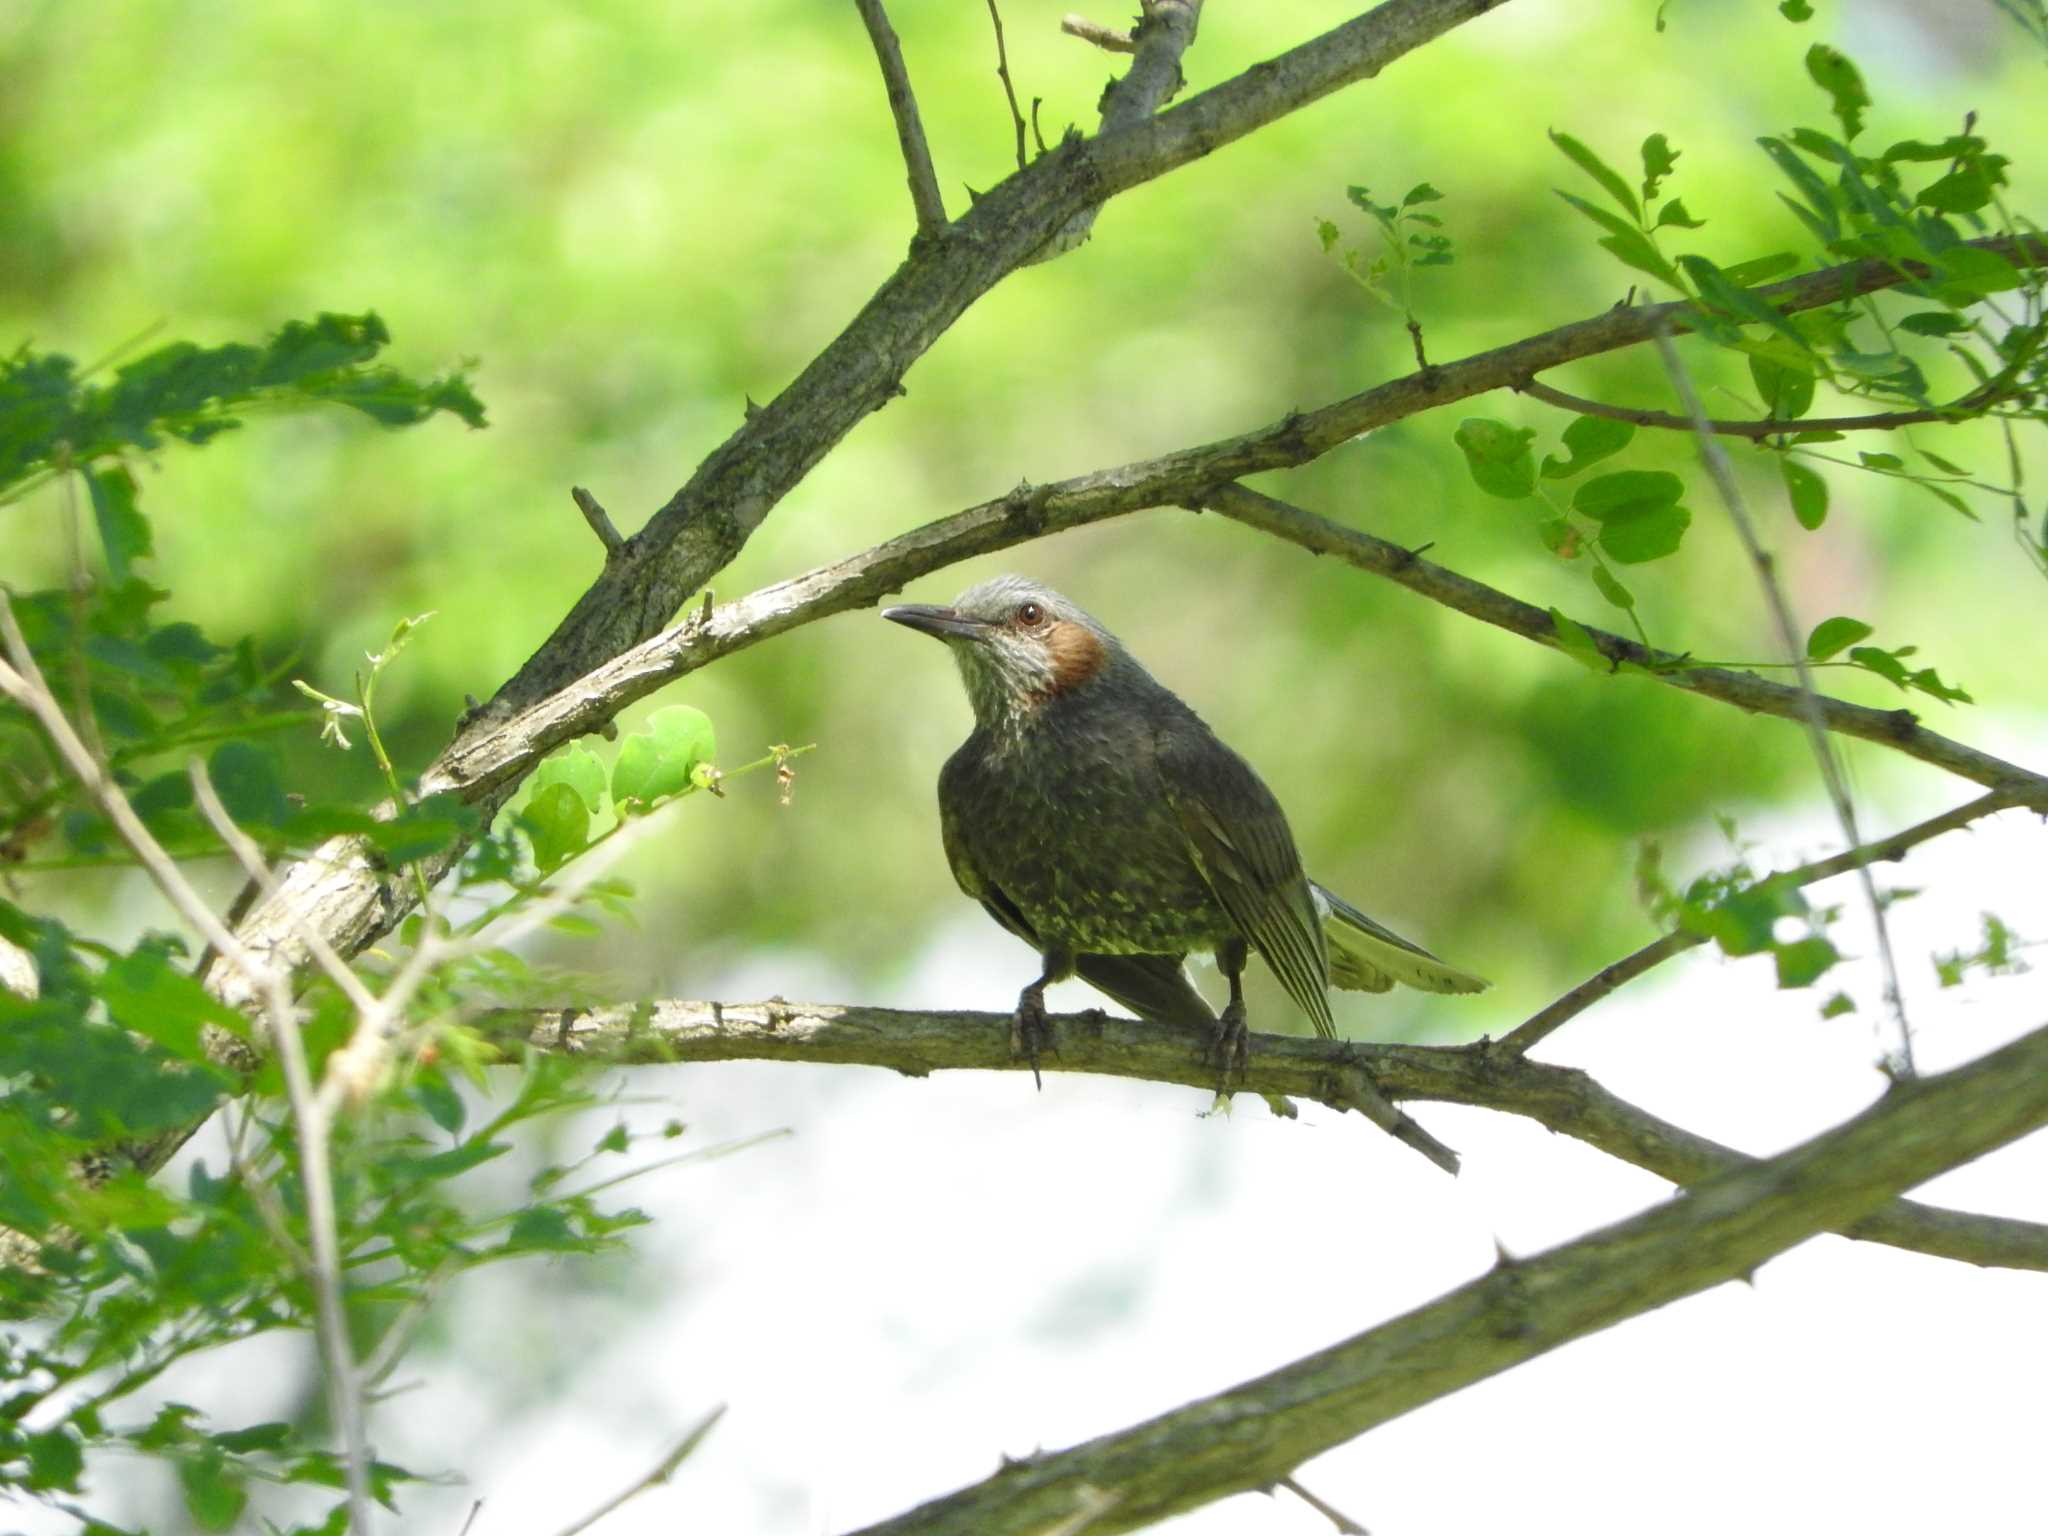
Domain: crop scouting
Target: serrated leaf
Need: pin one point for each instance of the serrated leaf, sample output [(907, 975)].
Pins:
[(656, 761), (1610, 180), (1809, 493), (1498, 456), (1590, 439), (1831, 636)]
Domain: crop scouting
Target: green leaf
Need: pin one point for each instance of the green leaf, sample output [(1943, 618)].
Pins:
[(1944, 465), (1498, 456), (214, 1496), (1838, 1005), (1610, 180), (1833, 635), (1611, 589), (1590, 439), (1659, 160), (1809, 493), (1881, 460), (1929, 682), (1833, 73), (145, 993), (1934, 322), (1787, 392), (1604, 496), (1804, 961), (656, 761), (1421, 192), (1741, 922), (1875, 659), (579, 768), (55, 1460), (1561, 538), (1795, 10), (124, 532), (1759, 269), (1646, 531), (1737, 303), (249, 782), (1673, 216), (1576, 643), (559, 823), (1629, 245)]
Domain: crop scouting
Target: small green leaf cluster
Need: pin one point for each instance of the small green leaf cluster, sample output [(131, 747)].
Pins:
[(1921, 207), (1830, 637), (1744, 914), (670, 755), (1997, 955), (1409, 236), (1624, 517)]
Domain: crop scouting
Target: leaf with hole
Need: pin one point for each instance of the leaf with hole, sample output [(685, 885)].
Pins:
[(1590, 439), (656, 760)]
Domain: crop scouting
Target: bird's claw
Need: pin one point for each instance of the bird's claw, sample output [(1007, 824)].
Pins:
[(1231, 1046), (1031, 1032)]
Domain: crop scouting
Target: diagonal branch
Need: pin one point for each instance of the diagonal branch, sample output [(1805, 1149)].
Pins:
[(1342, 1075), (917, 158), (1261, 1430), (1898, 729), (1548, 1021)]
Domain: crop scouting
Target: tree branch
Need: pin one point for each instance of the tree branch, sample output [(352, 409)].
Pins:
[(1883, 421), (1108, 39), (1898, 729), (1541, 1025), (1255, 1433), (917, 158), (1339, 1074)]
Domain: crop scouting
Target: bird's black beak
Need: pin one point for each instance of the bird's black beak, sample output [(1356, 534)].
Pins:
[(944, 623)]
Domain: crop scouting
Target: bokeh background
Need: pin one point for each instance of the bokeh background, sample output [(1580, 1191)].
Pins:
[(633, 217)]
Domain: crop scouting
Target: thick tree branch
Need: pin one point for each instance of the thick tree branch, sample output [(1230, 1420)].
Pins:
[(1339, 1074), (1898, 729), (917, 158), (1257, 1432)]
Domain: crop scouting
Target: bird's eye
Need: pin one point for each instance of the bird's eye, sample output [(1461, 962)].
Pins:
[(1031, 613)]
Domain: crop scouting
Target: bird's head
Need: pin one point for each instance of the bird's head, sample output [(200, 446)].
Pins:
[(1019, 646)]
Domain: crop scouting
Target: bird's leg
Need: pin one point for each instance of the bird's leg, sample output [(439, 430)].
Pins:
[(1233, 1040), (1029, 1031)]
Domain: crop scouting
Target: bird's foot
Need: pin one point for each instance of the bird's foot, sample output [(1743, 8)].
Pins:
[(1230, 1049), (1031, 1031)]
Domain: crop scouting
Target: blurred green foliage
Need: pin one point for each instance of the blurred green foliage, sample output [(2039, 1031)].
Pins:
[(617, 210)]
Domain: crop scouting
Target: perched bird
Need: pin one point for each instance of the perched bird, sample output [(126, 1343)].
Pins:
[(1097, 818)]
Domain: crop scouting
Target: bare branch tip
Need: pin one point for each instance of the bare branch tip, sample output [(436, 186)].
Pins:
[(600, 521)]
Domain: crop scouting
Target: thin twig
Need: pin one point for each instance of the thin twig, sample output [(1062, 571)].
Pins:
[(1009, 90), (1106, 38), (600, 520), (1346, 1526), (1885, 850), (23, 682), (1722, 472), (917, 156), (662, 1472), (1882, 422)]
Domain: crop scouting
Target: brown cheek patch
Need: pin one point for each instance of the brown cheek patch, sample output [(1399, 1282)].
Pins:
[(1076, 655)]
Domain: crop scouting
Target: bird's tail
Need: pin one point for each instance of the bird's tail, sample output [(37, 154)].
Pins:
[(1366, 957)]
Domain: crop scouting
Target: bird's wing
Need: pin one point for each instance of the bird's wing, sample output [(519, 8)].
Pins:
[(1366, 956), (1154, 987), (1239, 838)]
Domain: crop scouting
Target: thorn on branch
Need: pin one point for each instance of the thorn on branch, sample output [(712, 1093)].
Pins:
[(1346, 1526), (600, 524)]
